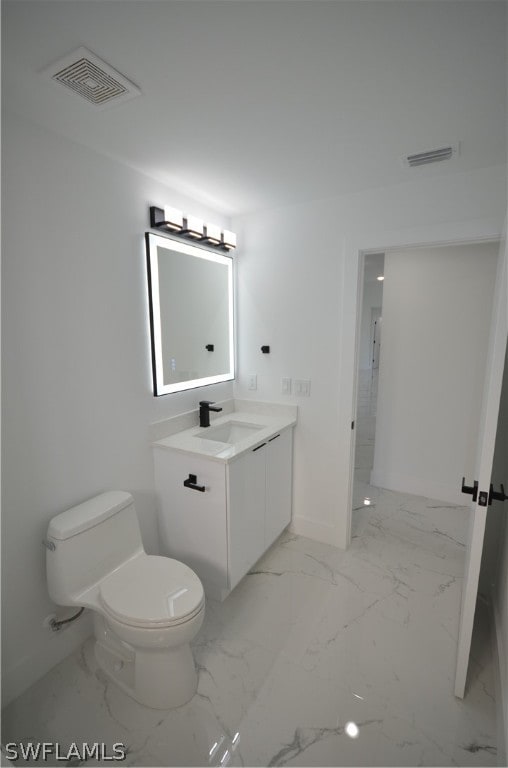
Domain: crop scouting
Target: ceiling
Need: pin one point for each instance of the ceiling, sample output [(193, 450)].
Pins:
[(253, 104)]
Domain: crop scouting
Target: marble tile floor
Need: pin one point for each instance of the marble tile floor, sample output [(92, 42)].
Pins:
[(312, 639)]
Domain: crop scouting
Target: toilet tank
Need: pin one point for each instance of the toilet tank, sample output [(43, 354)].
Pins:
[(88, 542)]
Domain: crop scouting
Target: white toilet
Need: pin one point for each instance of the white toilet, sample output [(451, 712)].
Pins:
[(147, 609)]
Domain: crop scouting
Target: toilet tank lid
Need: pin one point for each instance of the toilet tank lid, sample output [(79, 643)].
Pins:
[(88, 514)]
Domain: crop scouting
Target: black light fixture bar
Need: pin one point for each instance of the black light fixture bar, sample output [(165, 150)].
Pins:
[(191, 228)]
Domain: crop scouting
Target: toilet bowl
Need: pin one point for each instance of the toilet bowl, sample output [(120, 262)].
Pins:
[(147, 609)]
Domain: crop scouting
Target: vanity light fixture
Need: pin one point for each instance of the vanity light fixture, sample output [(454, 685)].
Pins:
[(166, 218), (229, 240), (213, 234), (188, 227), (193, 227), (380, 278)]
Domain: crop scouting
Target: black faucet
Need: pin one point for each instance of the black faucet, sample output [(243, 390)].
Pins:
[(205, 406)]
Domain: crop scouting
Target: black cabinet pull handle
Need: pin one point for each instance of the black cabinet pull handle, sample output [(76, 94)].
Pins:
[(274, 437), (191, 482), (259, 446), (468, 489)]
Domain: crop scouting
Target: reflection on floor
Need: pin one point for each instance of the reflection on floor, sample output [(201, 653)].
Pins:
[(318, 658)]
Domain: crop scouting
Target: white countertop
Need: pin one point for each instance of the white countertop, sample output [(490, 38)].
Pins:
[(270, 416)]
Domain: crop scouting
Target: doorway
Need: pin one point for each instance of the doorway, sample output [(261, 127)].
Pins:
[(428, 422), (424, 420), (368, 377)]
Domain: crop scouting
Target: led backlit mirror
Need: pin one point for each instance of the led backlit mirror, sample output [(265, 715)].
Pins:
[(191, 315)]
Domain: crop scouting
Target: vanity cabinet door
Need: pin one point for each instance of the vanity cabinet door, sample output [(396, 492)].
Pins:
[(192, 523), (246, 512), (278, 485)]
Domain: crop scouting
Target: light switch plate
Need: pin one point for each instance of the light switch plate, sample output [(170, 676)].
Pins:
[(302, 387), (252, 381), (285, 386)]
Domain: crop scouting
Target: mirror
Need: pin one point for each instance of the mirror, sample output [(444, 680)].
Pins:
[(191, 315)]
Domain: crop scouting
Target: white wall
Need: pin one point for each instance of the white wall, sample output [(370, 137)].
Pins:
[(77, 374), (297, 292), (436, 322)]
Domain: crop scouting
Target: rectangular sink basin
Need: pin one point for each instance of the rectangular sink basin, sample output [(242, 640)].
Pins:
[(232, 432)]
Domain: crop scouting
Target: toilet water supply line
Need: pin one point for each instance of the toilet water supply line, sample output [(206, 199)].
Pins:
[(57, 625)]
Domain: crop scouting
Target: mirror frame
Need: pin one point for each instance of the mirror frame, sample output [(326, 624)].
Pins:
[(153, 242)]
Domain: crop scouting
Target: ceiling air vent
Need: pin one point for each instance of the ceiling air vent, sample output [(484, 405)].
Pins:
[(91, 78), (431, 156)]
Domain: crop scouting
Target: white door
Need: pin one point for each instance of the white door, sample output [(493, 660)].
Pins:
[(483, 471)]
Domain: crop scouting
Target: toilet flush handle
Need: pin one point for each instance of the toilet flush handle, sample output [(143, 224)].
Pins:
[(49, 545)]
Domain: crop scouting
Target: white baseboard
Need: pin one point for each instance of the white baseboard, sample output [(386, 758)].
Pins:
[(501, 678), (431, 490), (25, 672), (314, 529)]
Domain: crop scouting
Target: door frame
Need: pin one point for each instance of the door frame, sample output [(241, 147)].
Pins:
[(354, 251)]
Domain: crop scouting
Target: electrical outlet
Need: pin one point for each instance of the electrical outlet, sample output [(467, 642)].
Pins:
[(285, 386), (252, 381)]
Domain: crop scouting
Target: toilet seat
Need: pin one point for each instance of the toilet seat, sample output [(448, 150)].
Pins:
[(152, 592)]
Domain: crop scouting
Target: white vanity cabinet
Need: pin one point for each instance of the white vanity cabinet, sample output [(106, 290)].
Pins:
[(259, 501), (222, 531), (279, 481)]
